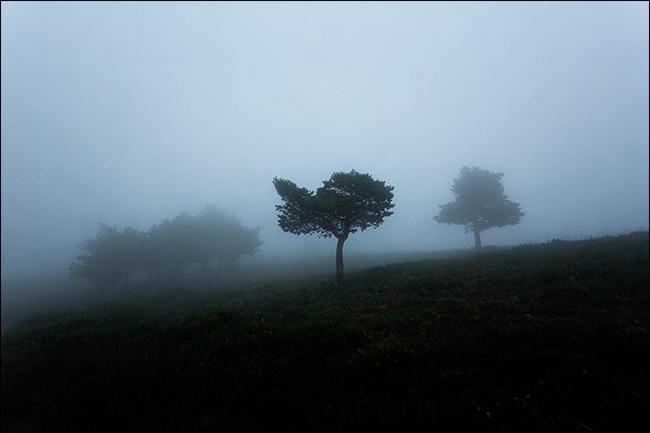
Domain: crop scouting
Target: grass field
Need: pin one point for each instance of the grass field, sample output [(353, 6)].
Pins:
[(545, 337)]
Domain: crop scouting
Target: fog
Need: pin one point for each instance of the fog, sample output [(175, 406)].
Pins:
[(128, 113)]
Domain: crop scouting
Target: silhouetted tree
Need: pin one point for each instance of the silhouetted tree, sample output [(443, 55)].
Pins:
[(131, 248), (222, 237), (480, 203), (179, 243), (109, 257), (172, 247), (154, 253), (168, 248), (344, 204), (236, 240)]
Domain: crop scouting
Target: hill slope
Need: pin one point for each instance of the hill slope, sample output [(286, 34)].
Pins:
[(550, 337)]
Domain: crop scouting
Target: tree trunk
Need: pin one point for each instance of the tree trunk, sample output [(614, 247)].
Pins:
[(339, 258), (477, 239)]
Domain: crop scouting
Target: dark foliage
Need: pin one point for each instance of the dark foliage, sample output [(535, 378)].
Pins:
[(480, 203), (168, 249), (346, 203), (110, 258)]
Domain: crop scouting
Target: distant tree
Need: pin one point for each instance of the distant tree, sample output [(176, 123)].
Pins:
[(173, 246), (110, 258), (131, 248), (208, 234), (344, 204), (179, 243), (154, 253), (222, 237), (92, 264), (168, 249), (238, 240), (480, 203)]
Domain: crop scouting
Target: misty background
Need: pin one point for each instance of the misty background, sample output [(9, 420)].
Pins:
[(128, 113)]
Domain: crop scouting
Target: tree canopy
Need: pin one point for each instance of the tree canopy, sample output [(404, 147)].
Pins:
[(480, 203), (168, 248), (110, 258), (346, 203)]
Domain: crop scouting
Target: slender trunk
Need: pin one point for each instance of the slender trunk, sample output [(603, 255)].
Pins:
[(477, 239), (339, 257)]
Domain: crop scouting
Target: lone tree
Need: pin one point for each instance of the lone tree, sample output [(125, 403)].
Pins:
[(345, 203), (480, 203)]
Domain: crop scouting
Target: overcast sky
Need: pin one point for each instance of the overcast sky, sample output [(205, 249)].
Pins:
[(128, 113)]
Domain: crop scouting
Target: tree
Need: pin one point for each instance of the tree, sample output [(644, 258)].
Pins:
[(154, 254), (179, 242), (94, 265), (344, 204), (480, 203), (168, 248), (222, 237), (109, 257), (131, 248)]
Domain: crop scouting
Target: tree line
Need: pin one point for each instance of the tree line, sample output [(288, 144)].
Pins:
[(166, 251), (346, 203)]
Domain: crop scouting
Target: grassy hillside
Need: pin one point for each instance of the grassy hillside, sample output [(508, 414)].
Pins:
[(549, 337), (23, 297)]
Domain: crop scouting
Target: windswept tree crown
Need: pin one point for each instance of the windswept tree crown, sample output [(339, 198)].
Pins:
[(347, 202)]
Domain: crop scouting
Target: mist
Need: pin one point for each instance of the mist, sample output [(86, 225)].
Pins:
[(128, 113)]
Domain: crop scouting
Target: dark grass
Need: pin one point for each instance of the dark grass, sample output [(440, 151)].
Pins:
[(23, 297), (549, 337)]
